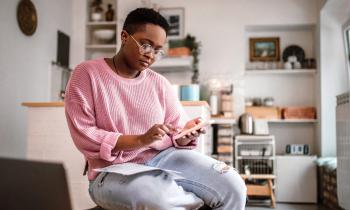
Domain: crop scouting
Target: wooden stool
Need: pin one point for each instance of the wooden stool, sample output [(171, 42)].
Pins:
[(261, 190)]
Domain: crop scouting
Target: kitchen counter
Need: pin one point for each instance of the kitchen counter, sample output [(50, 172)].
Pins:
[(61, 103)]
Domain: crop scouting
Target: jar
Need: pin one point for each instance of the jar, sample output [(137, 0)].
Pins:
[(287, 65), (257, 101), (268, 101)]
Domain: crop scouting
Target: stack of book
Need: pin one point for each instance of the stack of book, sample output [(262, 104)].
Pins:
[(225, 144)]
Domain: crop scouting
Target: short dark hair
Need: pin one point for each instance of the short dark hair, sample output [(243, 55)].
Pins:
[(142, 16)]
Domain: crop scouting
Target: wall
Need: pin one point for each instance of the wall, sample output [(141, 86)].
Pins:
[(333, 77), (222, 33), (222, 37), (24, 66), (25, 61)]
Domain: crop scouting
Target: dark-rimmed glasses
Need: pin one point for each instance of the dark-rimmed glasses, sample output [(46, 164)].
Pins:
[(147, 48)]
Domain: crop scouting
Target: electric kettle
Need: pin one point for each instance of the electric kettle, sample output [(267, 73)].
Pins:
[(245, 124)]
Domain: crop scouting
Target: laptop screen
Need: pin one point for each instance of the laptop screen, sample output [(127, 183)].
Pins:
[(33, 185)]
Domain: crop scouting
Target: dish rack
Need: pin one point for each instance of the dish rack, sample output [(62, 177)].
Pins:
[(255, 154), (255, 161)]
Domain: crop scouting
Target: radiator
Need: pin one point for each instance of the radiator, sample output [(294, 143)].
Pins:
[(343, 149)]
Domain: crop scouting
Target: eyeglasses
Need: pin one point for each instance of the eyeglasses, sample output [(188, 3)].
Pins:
[(147, 48)]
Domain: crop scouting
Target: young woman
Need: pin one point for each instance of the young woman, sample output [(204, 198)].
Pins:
[(119, 110)]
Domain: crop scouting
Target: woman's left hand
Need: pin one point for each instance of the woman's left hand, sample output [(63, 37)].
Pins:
[(185, 140)]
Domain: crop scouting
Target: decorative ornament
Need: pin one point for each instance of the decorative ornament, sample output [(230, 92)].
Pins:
[(27, 17)]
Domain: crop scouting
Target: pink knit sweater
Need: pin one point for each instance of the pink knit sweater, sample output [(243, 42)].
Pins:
[(101, 105)]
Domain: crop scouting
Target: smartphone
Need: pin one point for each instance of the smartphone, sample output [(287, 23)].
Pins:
[(194, 128)]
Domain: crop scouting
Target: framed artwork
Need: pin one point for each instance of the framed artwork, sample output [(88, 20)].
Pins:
[(176, 19), (264, 49)]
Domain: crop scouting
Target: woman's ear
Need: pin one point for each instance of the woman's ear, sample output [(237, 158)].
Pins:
[(123, 36)]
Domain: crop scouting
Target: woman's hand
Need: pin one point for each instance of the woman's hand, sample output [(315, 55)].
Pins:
[(185, 140), (156, 133)]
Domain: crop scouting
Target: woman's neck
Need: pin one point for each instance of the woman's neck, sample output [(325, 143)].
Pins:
[(121, 67)]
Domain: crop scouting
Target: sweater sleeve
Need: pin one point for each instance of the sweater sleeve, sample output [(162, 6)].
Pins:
[(175, 114), (92, 141)]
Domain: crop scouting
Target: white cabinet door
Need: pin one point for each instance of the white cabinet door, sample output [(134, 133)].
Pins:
[(296, 179)]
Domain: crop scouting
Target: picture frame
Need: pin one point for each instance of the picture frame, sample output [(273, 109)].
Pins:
[(176, 19), (264, 49)]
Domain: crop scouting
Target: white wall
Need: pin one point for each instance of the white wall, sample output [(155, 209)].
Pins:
[(333, 77), (221, 30), (219, 25), (24, 66)]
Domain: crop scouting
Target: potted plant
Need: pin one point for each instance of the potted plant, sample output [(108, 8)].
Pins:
[(194, 46), (96, 10)]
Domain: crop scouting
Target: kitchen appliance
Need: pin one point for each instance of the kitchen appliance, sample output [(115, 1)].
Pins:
[(297, 149), (245, 123), (261, 127)]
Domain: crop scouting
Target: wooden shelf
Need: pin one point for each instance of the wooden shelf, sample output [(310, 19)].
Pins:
[(44, 104), (255, 158), (284, 27), (173, 64), (194, 103), (293, 121), (102, 23), (258, 176), (281, 71), (101, 46), (221, 120)]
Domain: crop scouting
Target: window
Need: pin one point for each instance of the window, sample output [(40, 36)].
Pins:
[(346, 38)]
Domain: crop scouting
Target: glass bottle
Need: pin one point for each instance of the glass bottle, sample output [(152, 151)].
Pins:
[(110, 13)]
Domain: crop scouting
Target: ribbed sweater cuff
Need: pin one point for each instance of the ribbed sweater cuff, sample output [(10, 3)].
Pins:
[(108, 145)]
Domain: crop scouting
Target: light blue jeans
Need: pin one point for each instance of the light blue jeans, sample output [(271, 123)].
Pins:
[(203, 182)]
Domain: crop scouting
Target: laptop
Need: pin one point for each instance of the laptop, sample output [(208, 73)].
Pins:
[(33, 185)]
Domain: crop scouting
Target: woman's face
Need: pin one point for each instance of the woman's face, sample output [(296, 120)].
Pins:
[(133, 46)]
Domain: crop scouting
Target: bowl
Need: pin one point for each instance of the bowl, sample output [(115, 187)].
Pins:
[(97, 16), (104, 34)]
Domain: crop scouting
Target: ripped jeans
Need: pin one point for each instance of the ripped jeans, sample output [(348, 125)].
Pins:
[(205, 181)]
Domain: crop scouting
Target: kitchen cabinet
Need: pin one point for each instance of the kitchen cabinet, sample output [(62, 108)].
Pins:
[(296, 179), (48, 139)]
